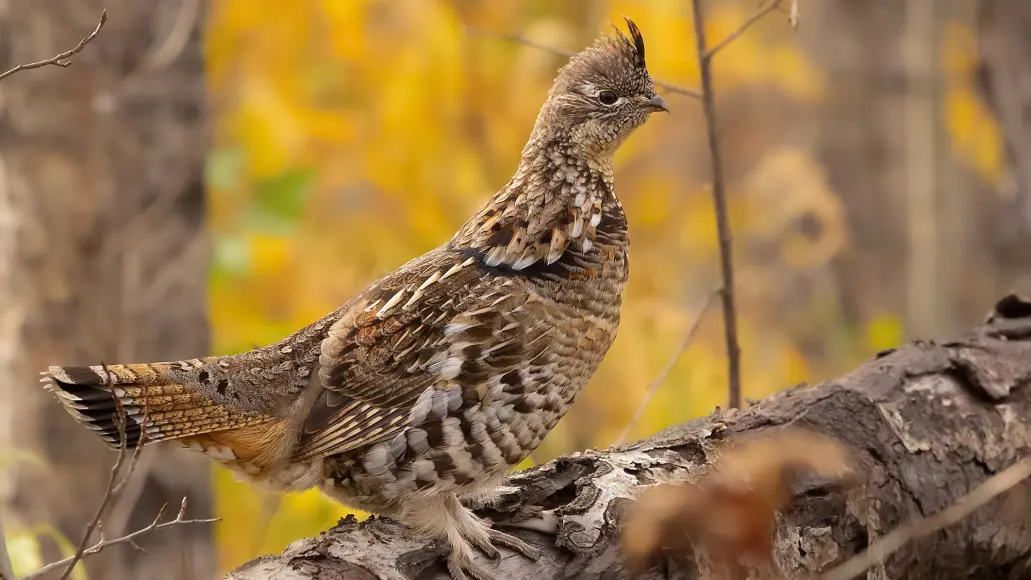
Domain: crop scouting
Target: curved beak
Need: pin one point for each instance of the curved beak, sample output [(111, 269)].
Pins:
[(656, 104)]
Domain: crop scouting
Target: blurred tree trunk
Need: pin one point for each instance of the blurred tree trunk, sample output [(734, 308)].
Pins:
[(857, 45), (925, 227), (1005, 81), (102, 256), (930, 290)]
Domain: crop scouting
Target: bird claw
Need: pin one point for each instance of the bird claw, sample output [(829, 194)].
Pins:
[(489, 550), (513, 543), (461, 566)]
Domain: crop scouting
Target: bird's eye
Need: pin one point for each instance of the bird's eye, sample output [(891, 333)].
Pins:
[(607, 98)]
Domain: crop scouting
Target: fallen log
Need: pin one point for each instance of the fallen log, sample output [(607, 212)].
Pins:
[(924, 424)]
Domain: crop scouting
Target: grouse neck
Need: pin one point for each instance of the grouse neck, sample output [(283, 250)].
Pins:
[(544, 158), (552, 205)]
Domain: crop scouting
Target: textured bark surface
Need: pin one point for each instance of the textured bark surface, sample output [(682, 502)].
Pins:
[(101, 257), (927, 422)]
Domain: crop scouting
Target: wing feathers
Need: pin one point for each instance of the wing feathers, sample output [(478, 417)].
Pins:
[(421, 343)]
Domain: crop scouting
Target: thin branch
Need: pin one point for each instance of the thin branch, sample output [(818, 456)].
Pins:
[(6, 570), (720, 204), (519, 40), (59, 59), (112, 481), (654, 386), (130, 539), (114, 488), (794, 13), (769, 7), (159, 56), (668, 87), (132, 462), (964, 506), (114, 484), (159, 288), (122, 508), (163, 55), (118, 516)]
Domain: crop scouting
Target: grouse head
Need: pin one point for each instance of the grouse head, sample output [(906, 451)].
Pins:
[(603, 94)]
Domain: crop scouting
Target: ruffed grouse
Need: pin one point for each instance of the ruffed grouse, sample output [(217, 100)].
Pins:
[(422, 390)]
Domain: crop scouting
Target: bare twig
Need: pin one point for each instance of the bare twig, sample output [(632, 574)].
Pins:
[(964, 506), (794, 13), (720, 204), (118, 516), (770, 6), (132, 464), (130, 539), (112, 481), (654, 386), (164, 282), (114, 484), (114, 488), (6, 571), (59, 59), (668, 87), (123, 506), (705, 57), (159, 56), (519, 40)]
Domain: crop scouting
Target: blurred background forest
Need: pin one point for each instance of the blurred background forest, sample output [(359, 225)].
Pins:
[(209, 177)]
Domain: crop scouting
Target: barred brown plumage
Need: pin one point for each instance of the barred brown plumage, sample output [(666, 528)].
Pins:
[(422, 390)]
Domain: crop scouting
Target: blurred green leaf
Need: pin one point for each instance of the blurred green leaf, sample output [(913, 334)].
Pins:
[(232, 256), (280, 201), (883, 331), (223, 168), (25, 551), (26, 556), (9, 457)]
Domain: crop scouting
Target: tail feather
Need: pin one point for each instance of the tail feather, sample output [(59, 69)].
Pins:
[(151, 401)]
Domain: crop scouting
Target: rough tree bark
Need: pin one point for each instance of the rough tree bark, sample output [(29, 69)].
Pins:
[(101, 256), (927, 423)]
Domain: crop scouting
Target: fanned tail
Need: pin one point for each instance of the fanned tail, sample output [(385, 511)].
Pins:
[(151, 399)]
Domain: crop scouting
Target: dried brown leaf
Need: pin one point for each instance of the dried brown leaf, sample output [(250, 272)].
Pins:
[(730, 511)]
